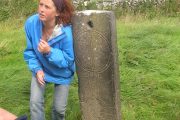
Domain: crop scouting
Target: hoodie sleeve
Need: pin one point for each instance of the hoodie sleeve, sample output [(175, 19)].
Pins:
[(29, 54), (64, 57)]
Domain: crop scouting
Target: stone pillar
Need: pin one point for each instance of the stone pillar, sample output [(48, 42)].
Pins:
[(97, 64)]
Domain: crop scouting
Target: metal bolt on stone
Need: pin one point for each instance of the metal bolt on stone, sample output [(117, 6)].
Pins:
[(96, 56)]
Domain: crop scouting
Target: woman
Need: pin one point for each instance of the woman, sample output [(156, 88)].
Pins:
[(49, 55)]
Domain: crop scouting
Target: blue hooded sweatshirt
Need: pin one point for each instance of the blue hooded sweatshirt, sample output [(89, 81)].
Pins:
[(58, 65)]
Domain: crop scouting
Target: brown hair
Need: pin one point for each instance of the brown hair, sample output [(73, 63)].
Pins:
[(65, 10)]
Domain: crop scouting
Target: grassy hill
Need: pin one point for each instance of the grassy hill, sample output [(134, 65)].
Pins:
[(149, 56)]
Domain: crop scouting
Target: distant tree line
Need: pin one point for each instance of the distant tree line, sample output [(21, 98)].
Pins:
[(150, 8), (16, 8)]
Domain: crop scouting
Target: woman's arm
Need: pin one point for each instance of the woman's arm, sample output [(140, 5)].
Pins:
[(29, 54), (64, 57), (5, 115)]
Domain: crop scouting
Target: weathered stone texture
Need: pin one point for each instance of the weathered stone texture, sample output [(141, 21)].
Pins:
[(97, 64)]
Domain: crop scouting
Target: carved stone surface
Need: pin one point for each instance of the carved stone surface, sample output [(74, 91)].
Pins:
[(97, 64)]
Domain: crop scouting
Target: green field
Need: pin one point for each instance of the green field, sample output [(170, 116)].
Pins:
[(149, 57)]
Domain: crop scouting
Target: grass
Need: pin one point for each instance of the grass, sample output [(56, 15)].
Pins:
[(149, 57), (150, 65)]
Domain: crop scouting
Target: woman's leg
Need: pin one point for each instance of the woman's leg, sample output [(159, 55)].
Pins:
[(60, 102), (37, 100)]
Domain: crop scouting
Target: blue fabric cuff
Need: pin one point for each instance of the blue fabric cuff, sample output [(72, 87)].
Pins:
[(37, 69), (48, 54)]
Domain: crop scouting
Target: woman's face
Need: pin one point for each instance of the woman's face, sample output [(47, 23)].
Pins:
[(47, 10)]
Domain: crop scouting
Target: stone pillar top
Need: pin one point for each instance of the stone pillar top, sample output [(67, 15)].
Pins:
[(89, 12)]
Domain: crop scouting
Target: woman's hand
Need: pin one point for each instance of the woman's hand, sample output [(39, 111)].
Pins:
[(43, 47), (40, 77)]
